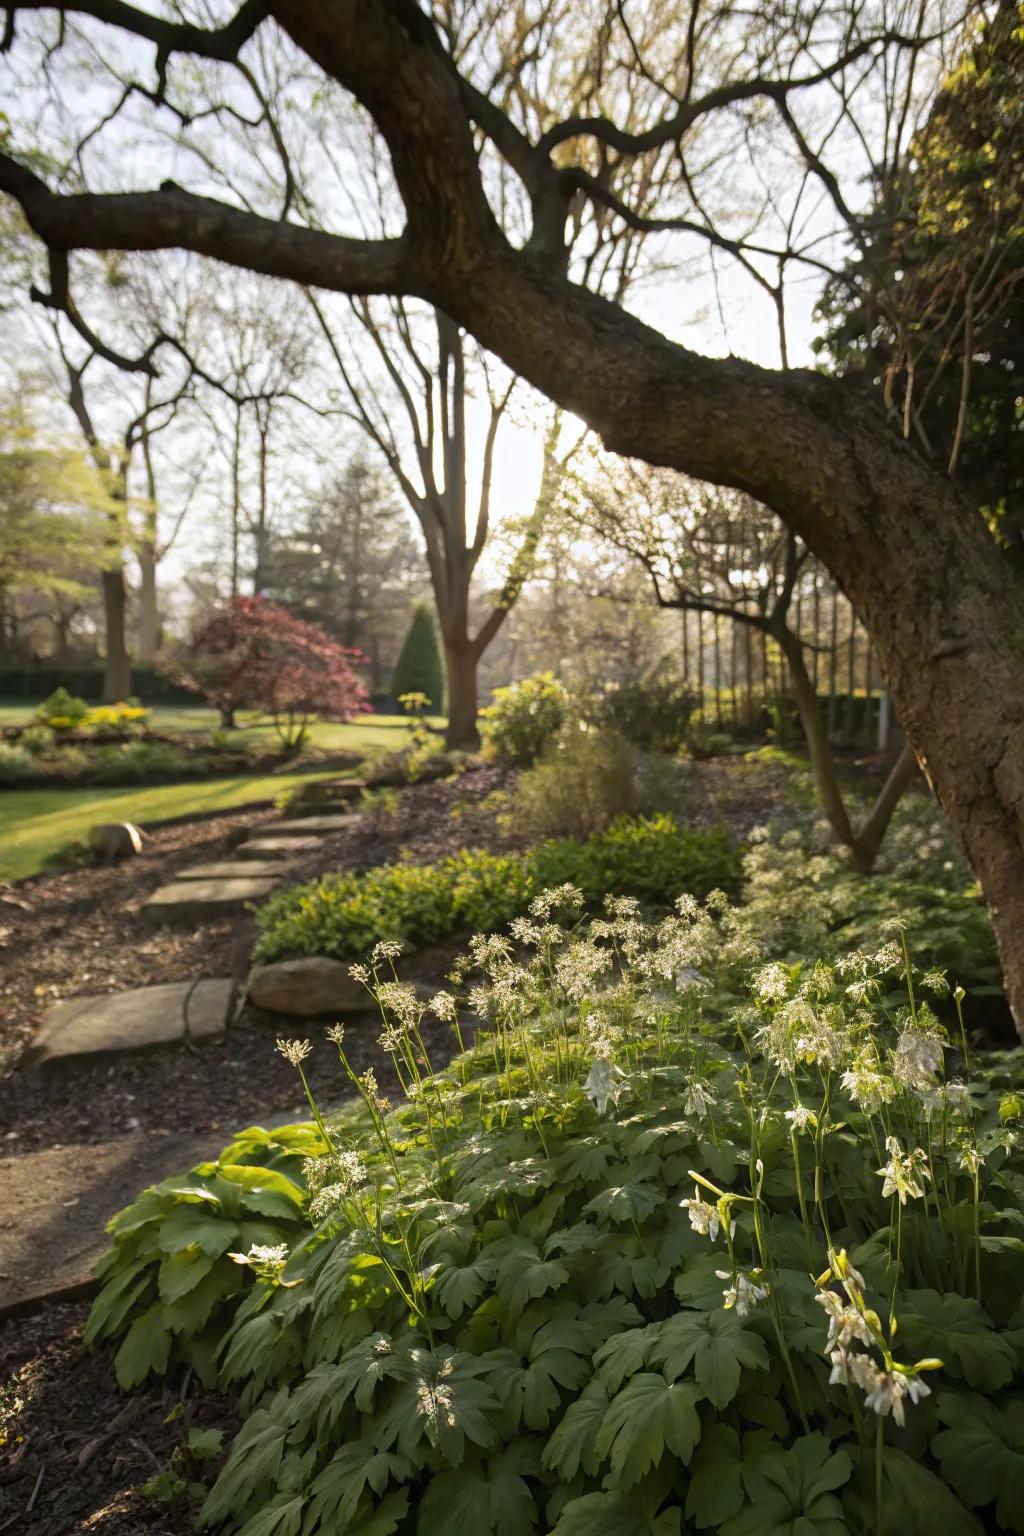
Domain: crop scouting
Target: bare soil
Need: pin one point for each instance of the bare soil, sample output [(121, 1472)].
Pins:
[(76, 1451)]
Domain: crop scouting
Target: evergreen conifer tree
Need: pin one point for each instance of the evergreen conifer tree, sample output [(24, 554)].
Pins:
[(419, 668)]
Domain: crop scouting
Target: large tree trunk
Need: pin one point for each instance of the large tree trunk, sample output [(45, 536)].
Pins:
[(149, 607), (117, 673), (460, 665)]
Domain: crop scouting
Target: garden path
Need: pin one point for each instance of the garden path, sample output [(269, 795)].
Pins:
[(107, 1067)]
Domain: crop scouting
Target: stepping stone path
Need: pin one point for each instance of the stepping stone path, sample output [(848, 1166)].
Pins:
[(237, 869), (277, 849), (214, 890), (138, 1020), (154, 1016), (324, 794), (299, 825), (194, 901)]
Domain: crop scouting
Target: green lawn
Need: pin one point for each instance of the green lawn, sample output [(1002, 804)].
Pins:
[(365, 733), (35, 823)]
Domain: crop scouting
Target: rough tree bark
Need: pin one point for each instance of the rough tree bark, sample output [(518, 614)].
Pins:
[(944, 609), (148, 556), (864, 841)]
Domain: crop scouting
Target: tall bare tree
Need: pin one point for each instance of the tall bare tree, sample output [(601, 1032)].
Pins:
[(426, 381)]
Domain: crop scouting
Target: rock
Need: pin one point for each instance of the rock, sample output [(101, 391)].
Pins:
[(192, 901), (115, 840), (306, 987), (137, 1020), (311, 985), (324, 795)]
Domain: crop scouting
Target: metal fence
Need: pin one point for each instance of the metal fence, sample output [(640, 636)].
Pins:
[(739, 674)]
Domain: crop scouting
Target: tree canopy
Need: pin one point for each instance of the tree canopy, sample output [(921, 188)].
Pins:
[(542, 159)]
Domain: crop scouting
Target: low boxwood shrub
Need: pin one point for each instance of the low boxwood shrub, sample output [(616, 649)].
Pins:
[(343, 915), (654, 858), (684, 1242)]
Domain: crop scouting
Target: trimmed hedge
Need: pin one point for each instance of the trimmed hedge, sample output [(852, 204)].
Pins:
[(343, 915)]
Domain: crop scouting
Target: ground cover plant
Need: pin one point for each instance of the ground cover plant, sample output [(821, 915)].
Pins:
[(685, 1241), (343, 915), (803, 895)]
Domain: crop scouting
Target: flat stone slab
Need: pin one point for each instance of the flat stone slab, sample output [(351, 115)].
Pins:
[(138, 1020), (194, 901), (276, 848), (57, 1203), (324, 795), (236, 869), (296, 825)]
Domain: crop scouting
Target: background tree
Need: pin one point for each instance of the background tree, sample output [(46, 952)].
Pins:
[(256, 655), (722, 553), (350, 563), (931, 309), (53, 530), (419, 668), (424, 381)]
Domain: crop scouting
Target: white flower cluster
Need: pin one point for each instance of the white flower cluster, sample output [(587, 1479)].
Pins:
[(294, 1051), (331, 1181), (705, 1218), (884, 1391), (561, 896), (266, 1260), (904, 1172), (743, 1292), (851, 1321)]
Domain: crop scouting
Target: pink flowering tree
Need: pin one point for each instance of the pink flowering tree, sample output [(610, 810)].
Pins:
[(256, 655)]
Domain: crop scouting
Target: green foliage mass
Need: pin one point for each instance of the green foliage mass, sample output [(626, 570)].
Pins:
[(804, 897), (583, 780), (654, 859), (523, 718), (566, 1285), (419, 668), (653, 713)]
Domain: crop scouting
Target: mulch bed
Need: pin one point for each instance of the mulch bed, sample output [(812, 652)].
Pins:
[(74, 1449)]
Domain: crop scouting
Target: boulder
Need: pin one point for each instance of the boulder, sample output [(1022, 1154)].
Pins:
[(115, 840), (306, 987)]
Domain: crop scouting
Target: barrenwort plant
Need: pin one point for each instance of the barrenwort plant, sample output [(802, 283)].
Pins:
[(685, 1240)]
